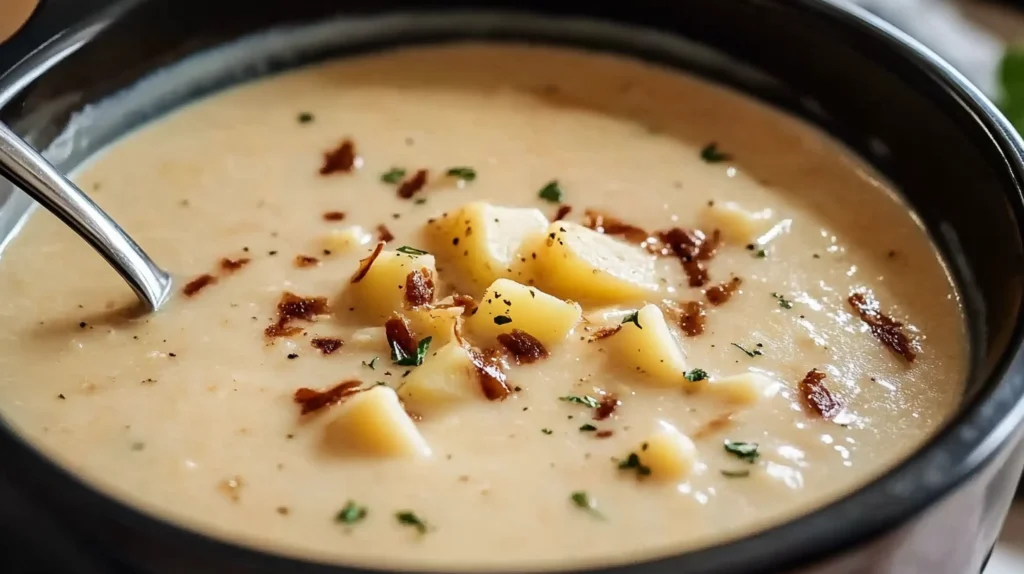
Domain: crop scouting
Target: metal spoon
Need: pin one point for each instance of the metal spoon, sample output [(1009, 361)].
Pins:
[(27, 169)]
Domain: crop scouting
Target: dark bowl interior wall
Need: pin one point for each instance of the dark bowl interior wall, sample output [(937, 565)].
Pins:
[(843, 79)]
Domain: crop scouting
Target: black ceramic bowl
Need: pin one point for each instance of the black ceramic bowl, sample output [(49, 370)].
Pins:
[(950, 152)]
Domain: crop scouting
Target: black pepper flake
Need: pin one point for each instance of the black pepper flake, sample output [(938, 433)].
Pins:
[(502, 320), (83, 324), (293, 356), (61, 396)]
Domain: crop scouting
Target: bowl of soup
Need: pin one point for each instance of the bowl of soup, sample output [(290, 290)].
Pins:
[(728, 286)]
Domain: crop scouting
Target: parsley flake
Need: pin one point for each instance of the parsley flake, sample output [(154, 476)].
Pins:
[(633, 462), (547, 431), (633, 318), (372, 364), (588, 428), (463, 173), (761, 254), (583, 500), (735, 473), (695, 375), (711, 154), (393, 175), (400, 358), (585, 400), (502, 320), (743, 450), (420, 200), (409, 518), (551, 192), (411, 251), (754, 353), (783, 302), (351, 513), (305, 117)]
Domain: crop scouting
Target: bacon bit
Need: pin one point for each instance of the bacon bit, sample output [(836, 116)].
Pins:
[(604, 333), (341, 158), (419, 287), (384, 234), (327, 345), (230, 265), (306, 261), (489, 369), (400, 335), (715, 425), (198, 284), (693, 318), (334, 216), (563, 210), (312, 400), (692, 248), (722, 292), (467, 303), (364, 264), (604, 434), (412, 185), (525, 348), (817, 397), (290, 308), (609, 225), (884, 328), (606, 407)]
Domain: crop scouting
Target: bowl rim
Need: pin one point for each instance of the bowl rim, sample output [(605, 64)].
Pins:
[(996, 413)]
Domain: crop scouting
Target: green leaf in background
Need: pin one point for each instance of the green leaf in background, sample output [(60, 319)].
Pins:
[(1011, 78)]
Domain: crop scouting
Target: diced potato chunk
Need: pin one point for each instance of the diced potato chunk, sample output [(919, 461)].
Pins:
[(736, 224), (445, 379), (438, 324), (481, 241), (745, 388), (381, 292), (581, 264), (647, 345), (346, 239), (374, 422), (507, 305), (669, 454)]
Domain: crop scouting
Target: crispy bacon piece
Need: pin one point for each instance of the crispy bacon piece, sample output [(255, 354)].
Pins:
[(604, 333), (400, 335), (306, 261), (604, 434), (341, 158), (692, 248), (715, 425), (692, 318), (884, 328), (326, 345), (412, 185), (722, 292), (231, 265), (524, 347), (563, 210), (334, 216), (490, 372), (419, 287), (292, 307), (603, 223), (817, 397), (312, 400), (198, 284), (384, 234), (467, 303), (606, 407), (364, 264)]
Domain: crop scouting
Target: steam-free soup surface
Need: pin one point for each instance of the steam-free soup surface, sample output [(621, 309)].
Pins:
[(190, 413)]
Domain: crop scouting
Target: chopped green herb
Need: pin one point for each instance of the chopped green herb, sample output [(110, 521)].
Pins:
[(411, 251), (695, 375), (735, 473), (420, 200), (400, 358), (551, 192), (305, 117), (754, 353), (393, 175), (380, 384), (464, 173), (502, 320), (372, 364), (547, 431), (582, 500), (711, 154), (351, 513), (633, 462), (409, 518), (585, 400), (633, 318), (761, 254), (743, 450), (588, 428), (783, 302)]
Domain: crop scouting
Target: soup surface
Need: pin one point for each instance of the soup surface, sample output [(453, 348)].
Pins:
[(707, 383)]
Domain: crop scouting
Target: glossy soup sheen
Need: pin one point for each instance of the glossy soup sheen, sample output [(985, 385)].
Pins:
[(189, 413)]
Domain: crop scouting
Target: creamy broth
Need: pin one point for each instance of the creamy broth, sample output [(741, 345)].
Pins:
[(189, 413)]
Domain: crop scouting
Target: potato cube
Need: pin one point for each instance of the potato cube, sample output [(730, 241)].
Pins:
[(381, 292), (647, 345), (374, 422), (346, 239), (581, 264), (507, 305), (480, 242), (668, 453), (744, 388), (438, 324), (737, 225), (446, 378)]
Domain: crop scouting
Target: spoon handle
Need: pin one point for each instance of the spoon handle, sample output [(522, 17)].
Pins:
[(26, 168)]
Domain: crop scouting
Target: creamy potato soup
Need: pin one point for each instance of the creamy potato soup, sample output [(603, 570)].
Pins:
[(480, 306)]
